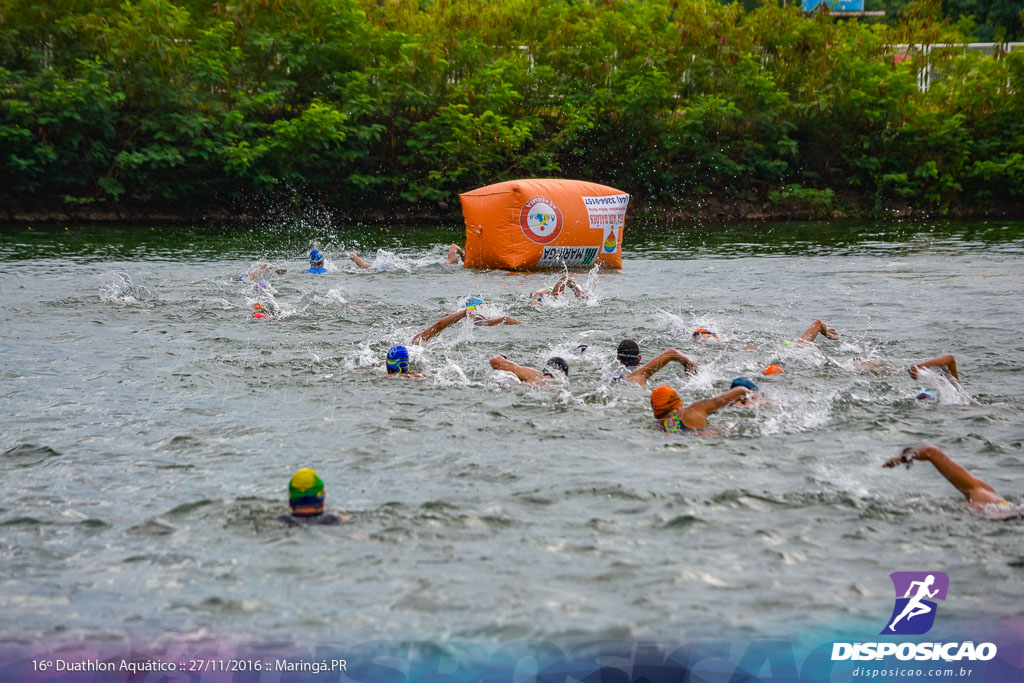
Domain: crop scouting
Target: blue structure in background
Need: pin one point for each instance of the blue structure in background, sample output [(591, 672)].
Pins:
[(837, 5)]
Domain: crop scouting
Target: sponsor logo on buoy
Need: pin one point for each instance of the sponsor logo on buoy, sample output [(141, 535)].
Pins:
[(610, 243), (540, 220)]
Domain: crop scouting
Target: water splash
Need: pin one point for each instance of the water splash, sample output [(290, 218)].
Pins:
[(122, 289)]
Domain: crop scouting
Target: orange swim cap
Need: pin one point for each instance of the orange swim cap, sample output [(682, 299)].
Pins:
[(664, 400), (773, 370), (258, 316)]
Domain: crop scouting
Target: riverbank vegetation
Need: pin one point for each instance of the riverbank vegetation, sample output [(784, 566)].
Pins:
[(377, 108)]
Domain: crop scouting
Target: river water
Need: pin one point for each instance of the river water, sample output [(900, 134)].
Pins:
[(149, 426)]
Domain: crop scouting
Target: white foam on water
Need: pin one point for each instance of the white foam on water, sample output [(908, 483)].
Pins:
[(120, 288)]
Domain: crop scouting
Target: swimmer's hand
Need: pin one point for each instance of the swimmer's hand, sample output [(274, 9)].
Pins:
[(281, 271), (689, 366), (830, 333), (906, 457)]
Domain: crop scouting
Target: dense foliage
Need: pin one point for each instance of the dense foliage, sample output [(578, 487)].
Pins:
[(399, 105)]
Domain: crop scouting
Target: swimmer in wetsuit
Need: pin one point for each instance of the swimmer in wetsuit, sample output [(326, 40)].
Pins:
[(469, 311), (671, 417), (531, 375), (316, 263), (536, 298), (628, 354), (980, 496), (306, 498), (397, 363)]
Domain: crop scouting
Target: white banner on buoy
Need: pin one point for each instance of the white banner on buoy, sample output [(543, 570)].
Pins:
[(607, 214)]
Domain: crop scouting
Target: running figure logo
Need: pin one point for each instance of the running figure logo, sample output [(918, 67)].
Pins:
[(914, 612)]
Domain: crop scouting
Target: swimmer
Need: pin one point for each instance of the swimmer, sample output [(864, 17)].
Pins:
[(559, 287), (454, 253), (306, 498), (397, 363), (316, 263), (262, 272), (468, 312), (629, 355), (532, 375), (262, 302), (752, 399), (705, 335), (816, 328), (980, 496), (944, 364), (671, 417)]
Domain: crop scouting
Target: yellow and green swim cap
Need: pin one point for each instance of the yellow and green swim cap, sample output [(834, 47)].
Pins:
[(306, 490)]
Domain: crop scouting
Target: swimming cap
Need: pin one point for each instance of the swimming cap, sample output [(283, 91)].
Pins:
[(306, 490), (316, 256), (398, 359), (628, 352), (701, 332), (926, 395), (557, 363), (259, 316), (743, 382), (664, 400), (773, 370), (473, 302)]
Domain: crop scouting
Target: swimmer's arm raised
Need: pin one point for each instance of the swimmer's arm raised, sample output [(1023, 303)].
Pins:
[(644, 372), (358, 261), (524, 373), (946, 364), (263, 269), (710, 405), (438, 327), (576, 289), (976, 490), (454, 252), (816, 328)]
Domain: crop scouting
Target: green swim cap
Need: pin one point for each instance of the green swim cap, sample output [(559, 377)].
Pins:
[(306, 488)]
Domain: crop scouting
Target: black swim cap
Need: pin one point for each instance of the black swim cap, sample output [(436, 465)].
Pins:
[(629, 352), (556, 362)]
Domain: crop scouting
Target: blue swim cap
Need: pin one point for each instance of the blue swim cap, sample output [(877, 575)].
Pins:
[(316, 256), (398, 359), (926, 395), (473, 302), (743, 382)]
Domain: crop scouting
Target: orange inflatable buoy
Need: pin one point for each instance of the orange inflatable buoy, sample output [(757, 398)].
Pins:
[(544, 223)]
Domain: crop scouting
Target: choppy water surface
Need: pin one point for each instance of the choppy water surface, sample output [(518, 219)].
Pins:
[(148, 428)]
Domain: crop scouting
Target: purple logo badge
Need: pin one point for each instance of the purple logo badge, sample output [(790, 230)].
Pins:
[(914, 612)]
